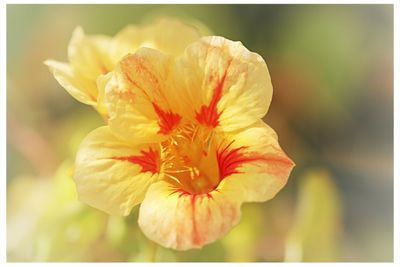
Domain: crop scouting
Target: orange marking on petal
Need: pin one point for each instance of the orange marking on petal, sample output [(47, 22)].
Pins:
[(148, 160), (276, 160), (167, 121), (126, 95), (280, 163), (209, 115), (138, 64), (142, 69), (103, 68), (135, 84)]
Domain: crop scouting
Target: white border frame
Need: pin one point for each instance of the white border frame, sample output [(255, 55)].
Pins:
[(3, 105)]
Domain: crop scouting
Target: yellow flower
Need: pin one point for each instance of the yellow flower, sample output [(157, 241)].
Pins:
[(92, 57), (186, 140)]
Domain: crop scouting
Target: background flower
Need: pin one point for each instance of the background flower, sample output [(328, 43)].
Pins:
[(93, 56)]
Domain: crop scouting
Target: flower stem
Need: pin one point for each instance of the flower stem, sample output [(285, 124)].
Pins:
[(152, 251)]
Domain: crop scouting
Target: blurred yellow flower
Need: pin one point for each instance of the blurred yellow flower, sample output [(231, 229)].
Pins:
[(186, 140), (92, 57)]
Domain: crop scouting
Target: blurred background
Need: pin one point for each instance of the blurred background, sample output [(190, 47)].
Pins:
[(332, 72)]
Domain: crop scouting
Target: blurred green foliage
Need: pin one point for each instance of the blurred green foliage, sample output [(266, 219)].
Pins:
[(332, 71), (315, 232)]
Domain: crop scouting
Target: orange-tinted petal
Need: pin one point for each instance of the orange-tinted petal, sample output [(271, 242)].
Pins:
[(137, 98), (178, 220), (222, 84)]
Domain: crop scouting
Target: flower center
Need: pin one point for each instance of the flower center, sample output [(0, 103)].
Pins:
[(190, 159)]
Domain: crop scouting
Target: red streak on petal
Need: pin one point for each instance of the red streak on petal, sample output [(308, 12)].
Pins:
[(180, 191), (209, 115), (183, 193), (229, 160), (196, 237), (135, 66), (167, 120), (148, 160), (196, 240)]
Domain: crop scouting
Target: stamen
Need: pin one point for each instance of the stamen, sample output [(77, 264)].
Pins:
[(174, 179), (178, 171), (187, 159)]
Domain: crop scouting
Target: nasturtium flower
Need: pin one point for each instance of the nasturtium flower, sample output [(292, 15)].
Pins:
[(185, 138), (91, 57)]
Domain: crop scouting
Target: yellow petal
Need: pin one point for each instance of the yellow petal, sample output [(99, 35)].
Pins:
[(263, 168), (224, 84), (126, 41), (137, 98), (88, 56), (112, 175), (172, 36), (81, 89), (182, 221), (102, 82), (168, 35)]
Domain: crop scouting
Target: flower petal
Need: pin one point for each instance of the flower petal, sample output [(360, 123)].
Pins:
[(172, 36), (224, 84), (102, 82), (89, 55), (112, 175), (181, 221), (168, 35), (81, 89), (255, 165), (137, 98)]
